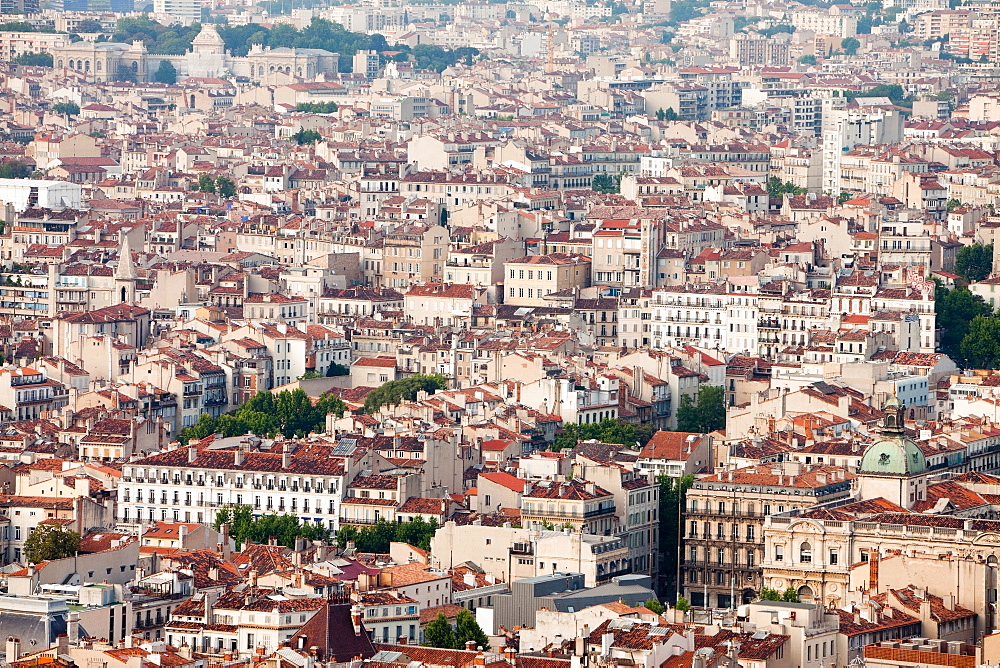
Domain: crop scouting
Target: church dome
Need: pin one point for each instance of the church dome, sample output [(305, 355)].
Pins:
[(894, 454)]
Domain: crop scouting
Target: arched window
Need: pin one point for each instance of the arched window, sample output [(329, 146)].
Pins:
[(59, 64), (98, 65), (261, 70), (135, 66), (805, 593), (86, 66), (71, 65), (805, 553)]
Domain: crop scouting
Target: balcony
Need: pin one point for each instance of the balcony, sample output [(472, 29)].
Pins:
[(601, 512)]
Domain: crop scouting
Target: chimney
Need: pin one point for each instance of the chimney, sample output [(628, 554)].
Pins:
[(252, 577), (225, 541), (356, 612), (480, 657), (470, 646), (873, 572), (510, 654), (13, 648), (182, 533), (401, 640), (73, 628), (238, 456), (192, 454)]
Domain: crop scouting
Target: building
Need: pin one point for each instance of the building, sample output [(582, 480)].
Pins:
[(530, 279), (725, 518)]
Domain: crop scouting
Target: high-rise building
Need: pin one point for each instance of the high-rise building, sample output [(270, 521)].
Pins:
[(184, 12)]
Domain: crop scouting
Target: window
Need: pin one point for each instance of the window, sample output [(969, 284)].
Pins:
[(805, 553), (834, 557), (779, 553), (721, 556), (750, 558)]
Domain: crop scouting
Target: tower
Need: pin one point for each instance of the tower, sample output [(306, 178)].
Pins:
[(125, 276), (893, 468)]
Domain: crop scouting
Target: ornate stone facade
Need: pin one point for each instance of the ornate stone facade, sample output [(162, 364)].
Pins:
[(208, 58)]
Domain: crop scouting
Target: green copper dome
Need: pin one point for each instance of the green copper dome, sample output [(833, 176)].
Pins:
[(894, 454)]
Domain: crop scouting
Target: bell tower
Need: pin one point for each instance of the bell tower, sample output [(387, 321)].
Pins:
[(125, 276)]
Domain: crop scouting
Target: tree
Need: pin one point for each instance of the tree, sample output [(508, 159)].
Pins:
[(608, 430), (790, 595), (706, 414), (953, 204), (673, 500), (166, 73), (245, 528), (206, 184), (775, 188), (682, 604), (850, 45), (396, 391), (317, 107), (654, 605), (50, 541), (768, 594), (266, 414), (66, 108), (225, 187), (667, 114), (89, 25), (438, 633), (304, 136), (467, 629), (34, 59), (808, 59), (955, 310), (975, 262), (13, 169), (337, 370), (981, 346), (607, 183)]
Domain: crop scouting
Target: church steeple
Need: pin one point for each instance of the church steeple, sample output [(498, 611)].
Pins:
[(125, 275)]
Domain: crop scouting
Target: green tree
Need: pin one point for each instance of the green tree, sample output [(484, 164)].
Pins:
[(13, 169), (225, 187), (467, 629), (850, 45), (404, 389), (206, 184), (768, 594), (682, 604), (654, 605), (608, 430), (790, 595), (317, 107), (50, 541), (337, 370), (667, 114), (975, 262), (34, 59), (304, 136), (245, 528), (981, 346), (66, 108), (955, 310), (607, 183), (775, 188), (438, 633), (808, 59), (89, 25), (706, 414), (166, 73), (673, 501), (953, 204)]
